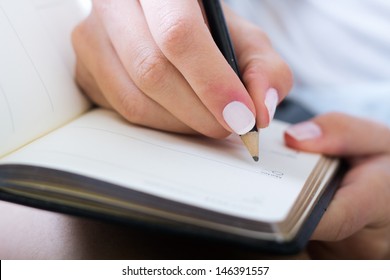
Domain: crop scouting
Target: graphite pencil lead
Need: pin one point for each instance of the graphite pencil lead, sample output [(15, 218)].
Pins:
[(251, 142)]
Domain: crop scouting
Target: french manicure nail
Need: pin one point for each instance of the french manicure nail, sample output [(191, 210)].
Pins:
[(238, 116), (304, 131), (271, 101)]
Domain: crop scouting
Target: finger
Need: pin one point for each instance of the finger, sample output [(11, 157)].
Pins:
[(150, 70), (361, 202), (179, 29), (118, 90), (88, 84), (339, 134), (266, 76), (83, 77)]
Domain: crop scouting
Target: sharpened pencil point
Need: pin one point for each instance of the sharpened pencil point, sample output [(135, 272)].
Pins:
[(251, 142)]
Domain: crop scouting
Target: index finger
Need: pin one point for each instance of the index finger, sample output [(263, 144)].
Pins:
[(266, 76), (179, 29)]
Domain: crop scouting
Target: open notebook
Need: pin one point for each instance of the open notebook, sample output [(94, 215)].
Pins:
[(57, 153)]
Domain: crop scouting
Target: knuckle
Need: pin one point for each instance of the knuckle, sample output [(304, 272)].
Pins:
[(176, 33), (268, 65), (84, 35), (255, 70), (131, 107), (88, 86), (151, 69), (346, 224), (345, 229), (271, 72)]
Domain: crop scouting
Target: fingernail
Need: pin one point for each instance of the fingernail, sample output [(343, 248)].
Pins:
[(238, 116), (271, 101), (304, 131)]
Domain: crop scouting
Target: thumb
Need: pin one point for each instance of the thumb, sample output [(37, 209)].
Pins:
[(339, 135)]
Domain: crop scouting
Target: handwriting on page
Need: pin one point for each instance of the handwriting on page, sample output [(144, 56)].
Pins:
[(215, 174), (276, 174)]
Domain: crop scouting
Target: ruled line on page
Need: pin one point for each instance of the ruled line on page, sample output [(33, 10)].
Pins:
[(28, 56)]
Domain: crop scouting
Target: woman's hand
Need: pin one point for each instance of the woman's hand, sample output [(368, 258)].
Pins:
[(357, 223), (155, 62)]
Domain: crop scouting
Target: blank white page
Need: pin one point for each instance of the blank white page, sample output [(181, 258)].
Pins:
[(37, 89)]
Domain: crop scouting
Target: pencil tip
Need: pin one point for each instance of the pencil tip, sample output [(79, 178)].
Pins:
[(251, 142)]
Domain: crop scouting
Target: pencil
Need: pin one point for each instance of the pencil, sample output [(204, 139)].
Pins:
[(220, 33)]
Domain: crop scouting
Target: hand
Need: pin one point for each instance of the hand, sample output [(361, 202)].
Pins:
[(357, 223), (155, 62)]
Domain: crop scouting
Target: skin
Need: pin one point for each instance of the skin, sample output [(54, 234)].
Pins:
[(356, 224), (129, 56), (156, 63)]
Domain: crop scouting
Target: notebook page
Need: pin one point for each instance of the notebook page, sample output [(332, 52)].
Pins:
[(218, 175), (37, 90)]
